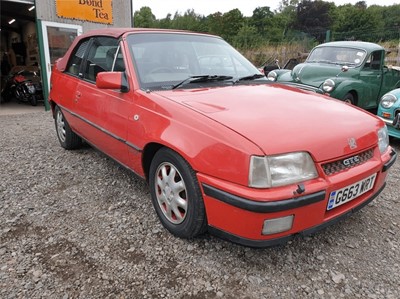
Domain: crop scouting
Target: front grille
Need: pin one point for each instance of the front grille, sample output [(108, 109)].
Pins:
[(347, 163)]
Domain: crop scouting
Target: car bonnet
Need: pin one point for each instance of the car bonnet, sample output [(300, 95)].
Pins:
[(282, 119), (315, 74)]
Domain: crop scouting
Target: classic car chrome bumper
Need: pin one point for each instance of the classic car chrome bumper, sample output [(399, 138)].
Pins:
[(302, 86), (392, 123)]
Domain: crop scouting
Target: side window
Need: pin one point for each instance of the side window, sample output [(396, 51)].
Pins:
[(374, 61), (115, 60), (101, 57), (76, 58)]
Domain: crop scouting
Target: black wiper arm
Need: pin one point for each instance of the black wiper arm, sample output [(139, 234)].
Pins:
[(248, 78), (201, 78), (322, 61)]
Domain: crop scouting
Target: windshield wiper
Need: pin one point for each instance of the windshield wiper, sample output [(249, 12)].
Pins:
[(248, 78), (319, 61), (201, 78)]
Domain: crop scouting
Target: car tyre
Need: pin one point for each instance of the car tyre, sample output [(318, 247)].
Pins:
[(176, 195), (349, 98), (68, 139)]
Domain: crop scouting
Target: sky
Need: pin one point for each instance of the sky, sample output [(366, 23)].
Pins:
[(161, 8)]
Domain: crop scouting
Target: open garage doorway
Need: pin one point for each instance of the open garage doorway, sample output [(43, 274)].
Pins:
[(21, 80), (29, 48)]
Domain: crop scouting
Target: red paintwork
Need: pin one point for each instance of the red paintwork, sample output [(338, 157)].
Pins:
[(217, 130), (109, 80), (19, 78)]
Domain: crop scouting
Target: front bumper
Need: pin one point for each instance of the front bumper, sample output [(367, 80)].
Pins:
[(302, 86), (240, 219), (393, 128)]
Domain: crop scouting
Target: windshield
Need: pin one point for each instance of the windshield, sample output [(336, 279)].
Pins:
[(337, 55), (165, 60)]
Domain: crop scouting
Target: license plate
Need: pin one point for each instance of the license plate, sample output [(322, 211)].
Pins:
[(346, 194)]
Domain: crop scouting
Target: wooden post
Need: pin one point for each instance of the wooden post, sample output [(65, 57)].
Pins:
[(398, 55)]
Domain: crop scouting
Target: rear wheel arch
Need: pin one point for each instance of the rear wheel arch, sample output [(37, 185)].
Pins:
[(67, 138), (52, 107)]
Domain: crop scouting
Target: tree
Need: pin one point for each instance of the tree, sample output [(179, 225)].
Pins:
[(232, 21), (287, 4), (391, 17), (144, 18), (165, 23), (285, 17), (214, 23), (261, 20), (189, 21), (247, 38), (356, 23), (314, 18)]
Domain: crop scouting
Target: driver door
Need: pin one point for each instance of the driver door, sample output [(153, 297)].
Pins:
[(372, 76)]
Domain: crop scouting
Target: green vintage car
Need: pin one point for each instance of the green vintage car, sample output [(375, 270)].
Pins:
[(347, 70)]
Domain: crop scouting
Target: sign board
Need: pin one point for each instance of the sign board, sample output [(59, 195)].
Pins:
[(98, 11)]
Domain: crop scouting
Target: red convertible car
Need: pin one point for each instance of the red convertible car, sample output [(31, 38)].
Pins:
[(222, 149)]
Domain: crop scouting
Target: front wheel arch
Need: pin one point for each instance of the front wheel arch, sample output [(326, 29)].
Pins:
[(147, 156), (176, 194), (351, 97)]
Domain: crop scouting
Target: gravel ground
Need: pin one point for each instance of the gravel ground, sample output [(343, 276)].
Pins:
[(74, 224)]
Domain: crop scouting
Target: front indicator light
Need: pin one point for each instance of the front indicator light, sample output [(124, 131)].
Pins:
[(386, 115), (277, 225)]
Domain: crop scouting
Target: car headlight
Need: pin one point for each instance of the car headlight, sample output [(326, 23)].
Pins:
[(388, 100), (272, 76), (280, 170), (328, 85), (383, 139)]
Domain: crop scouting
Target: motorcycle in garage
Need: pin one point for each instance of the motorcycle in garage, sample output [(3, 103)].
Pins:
[(24, 85)]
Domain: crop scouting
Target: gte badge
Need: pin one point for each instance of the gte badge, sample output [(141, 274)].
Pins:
[(351, 161), (352, 143)]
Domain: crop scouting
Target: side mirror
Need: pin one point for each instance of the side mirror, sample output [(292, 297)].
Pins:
[(112, 80)]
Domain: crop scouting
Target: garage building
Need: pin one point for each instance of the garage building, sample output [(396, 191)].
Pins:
[(34, 34)]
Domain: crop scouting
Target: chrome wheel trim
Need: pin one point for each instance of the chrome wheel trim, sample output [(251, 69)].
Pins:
[(171, 193), (60, 126), (347, 100)]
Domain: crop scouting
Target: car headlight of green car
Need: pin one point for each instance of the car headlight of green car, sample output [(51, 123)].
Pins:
[(272, 76), (328, 85), (388, 100)]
